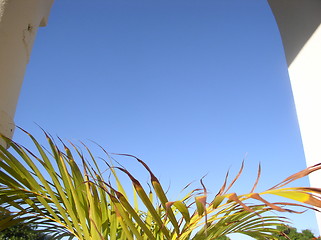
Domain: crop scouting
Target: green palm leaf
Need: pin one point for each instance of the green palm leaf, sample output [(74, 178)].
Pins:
[(64, 191)]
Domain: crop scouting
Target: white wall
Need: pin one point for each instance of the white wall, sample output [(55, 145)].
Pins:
[(305, 75), (299, 23), (19, 22)]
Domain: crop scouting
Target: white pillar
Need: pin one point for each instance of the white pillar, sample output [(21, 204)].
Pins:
[(305, 75), (300, 27), (19, 22)]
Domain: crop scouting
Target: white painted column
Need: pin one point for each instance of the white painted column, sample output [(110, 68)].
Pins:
[(305, 75), (299, 23), (19, 22)]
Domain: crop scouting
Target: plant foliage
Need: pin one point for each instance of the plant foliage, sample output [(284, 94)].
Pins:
[(64, 191), (287, 232), (21, 231)]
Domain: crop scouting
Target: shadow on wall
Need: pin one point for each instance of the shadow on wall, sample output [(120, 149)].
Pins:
[(297, 20)]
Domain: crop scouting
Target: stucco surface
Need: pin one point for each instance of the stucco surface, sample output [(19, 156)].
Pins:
[(2, 7), (297, 21), (19, 22)]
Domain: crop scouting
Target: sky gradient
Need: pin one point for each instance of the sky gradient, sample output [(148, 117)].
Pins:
[(190, 87)]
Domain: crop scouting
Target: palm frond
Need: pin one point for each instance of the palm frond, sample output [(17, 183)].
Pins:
[(64, 191)]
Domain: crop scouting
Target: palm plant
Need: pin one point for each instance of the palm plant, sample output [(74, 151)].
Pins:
[(64, 192), (21, 231)]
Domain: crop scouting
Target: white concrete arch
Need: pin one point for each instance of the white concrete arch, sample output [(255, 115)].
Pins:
[(299, 23), (19, 22)]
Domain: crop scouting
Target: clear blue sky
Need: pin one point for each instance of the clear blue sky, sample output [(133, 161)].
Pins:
[(188, 86)]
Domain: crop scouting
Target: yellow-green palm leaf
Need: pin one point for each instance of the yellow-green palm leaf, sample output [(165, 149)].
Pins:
[(66, 192)]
